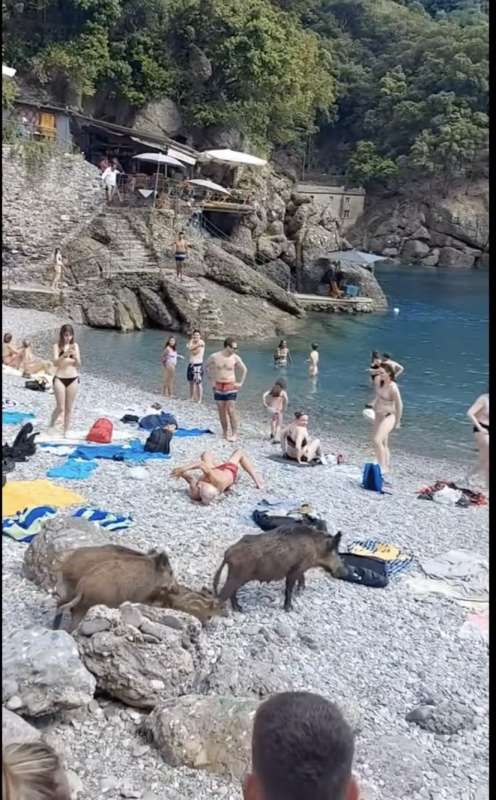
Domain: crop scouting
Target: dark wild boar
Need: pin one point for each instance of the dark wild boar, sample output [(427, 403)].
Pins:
[(116, 581), (273, 556), (202, 605)]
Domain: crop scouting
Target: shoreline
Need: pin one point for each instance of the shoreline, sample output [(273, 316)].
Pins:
[(376, 652)]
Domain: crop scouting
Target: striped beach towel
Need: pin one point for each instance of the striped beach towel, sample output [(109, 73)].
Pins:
[(106, 520), (26, 524), (396, 560)]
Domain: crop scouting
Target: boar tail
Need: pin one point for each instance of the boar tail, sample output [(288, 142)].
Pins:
[(217, 577)]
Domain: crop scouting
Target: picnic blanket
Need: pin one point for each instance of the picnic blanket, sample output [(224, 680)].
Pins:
[(395, 559), (134, 451), (25, 525), (15, 417), (466, 497), (73, 469), (106, 519), (21, 495)]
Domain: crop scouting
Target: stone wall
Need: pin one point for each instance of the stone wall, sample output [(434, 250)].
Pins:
[(45, 203)]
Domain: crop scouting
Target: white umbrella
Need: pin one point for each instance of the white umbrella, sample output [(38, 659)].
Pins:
[(356, 257), (8, 72), (216, 187), (234, 157), (158, 159)]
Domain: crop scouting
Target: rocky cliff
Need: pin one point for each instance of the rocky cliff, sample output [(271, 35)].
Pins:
[(422, 226)]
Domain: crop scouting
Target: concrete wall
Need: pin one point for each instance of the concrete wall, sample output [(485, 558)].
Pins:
[(346, 204), (44, 204)]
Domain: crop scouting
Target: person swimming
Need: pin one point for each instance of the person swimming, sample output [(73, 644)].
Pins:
[(276, 401)]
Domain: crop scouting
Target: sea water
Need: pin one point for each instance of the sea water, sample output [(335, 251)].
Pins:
[(439, 333)]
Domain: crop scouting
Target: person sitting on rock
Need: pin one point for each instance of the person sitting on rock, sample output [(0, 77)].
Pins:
[(216, 479), (302, 749), (33, 770)]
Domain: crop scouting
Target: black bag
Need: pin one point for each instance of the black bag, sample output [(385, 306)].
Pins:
[(37, 385), (129, 418), (269, 522), (159, 441), (365, 570), (23, 446)]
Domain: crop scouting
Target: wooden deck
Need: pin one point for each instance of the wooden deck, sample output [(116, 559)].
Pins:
[(317, 302), (226, 207)]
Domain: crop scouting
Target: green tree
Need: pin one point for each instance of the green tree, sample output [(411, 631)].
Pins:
[(367, 167)]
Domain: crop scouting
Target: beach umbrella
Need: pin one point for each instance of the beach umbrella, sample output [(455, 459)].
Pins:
[(158, 159), (215, 187), (358, 257), (235, 157)]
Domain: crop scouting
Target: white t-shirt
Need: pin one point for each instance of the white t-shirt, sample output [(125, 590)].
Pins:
[(109, 177)]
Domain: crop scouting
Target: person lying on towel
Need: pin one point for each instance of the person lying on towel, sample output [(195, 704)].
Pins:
[(215, 479)]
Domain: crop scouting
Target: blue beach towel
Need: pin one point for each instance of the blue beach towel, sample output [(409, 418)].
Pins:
[(26, 524), (192, 432), (106, 520), (395, 559), (73, 469), (134, 451), (15, 417)]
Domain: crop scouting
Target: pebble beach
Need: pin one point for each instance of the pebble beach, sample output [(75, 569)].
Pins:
[(378, 653)]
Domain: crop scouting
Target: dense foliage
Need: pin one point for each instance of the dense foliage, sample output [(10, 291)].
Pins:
[(395, 86)]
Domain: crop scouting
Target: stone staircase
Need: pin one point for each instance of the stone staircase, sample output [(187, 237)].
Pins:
[(128, 249), (191, 299)]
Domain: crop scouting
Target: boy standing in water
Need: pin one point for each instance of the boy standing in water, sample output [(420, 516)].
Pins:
[(313, 361)]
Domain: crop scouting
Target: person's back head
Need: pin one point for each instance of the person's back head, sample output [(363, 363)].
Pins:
[(32, 771), (282, 383), (386, 357), (375, 356), (276, 390), (315, 346), (26, 343), (7, 338), (302, 749)]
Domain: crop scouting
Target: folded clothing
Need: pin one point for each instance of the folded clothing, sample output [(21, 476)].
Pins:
[(395, 559), (18, 495), (73, 469), (25, 525), (467, 497), (106, 519), (134, 451), (15, 417), (151, 421)]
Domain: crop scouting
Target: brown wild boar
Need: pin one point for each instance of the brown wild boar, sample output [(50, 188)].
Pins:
[(117, 580), (273, 556), (79, 561), (202, 605)]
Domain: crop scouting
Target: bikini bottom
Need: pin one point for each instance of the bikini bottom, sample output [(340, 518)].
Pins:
[(67, 381)]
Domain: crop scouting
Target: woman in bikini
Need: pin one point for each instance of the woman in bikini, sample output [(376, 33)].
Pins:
[(478, 413), (297, 444), (388, 408), (275, 401), (67, 362), (216, 479), (282, 356), (169, 362)]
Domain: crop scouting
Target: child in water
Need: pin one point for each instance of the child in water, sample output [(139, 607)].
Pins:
[(276, 401)]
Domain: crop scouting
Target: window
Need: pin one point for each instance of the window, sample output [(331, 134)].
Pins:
[(47, 125), (346, 202), (346, 213)]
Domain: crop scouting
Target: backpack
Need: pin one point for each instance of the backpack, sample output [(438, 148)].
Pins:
[(372, 478), (101, 431), (37, 384), (23, 445), (152, 421), (158, 441)]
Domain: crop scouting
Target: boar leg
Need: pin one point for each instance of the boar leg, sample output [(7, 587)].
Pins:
[(228, 592), (291, 579), (301, 583)]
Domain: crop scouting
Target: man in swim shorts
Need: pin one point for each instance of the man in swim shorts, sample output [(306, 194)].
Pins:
[(221, 370), (216, 479), (196, 347)]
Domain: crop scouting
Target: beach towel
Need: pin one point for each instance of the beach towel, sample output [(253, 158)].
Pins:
[(461, 592), (106, 519), (476, 626), (467, 498), (73, 469), (268, 521), (25, 525), (396, 560), (79, 437), (11, 370), (183, 432), (461, 565), (15, 417), (134, 451), (58, 449), (151, 421), (18, 495), (291, 462)]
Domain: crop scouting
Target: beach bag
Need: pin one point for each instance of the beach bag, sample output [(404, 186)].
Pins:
[(372, 478), (159, 441), (101, 431), (364, 570), (37, 384), (23, 445), (152, 421)]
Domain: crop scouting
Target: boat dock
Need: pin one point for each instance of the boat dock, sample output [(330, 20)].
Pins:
[(350, 305)]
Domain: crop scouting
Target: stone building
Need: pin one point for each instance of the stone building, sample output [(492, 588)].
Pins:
[(346, 203)]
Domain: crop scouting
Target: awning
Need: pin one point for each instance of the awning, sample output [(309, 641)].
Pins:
[(147, 144), (234, 157), (215, 187), (181, 156)]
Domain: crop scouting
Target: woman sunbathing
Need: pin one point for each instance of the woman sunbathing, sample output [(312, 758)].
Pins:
[(216, 479)]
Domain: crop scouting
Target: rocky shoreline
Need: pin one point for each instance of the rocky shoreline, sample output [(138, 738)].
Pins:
[(380, 653)]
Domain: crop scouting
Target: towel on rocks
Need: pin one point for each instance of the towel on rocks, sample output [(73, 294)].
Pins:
[(25, 525)]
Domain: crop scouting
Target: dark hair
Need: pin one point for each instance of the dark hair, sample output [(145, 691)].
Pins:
[(181, 233), (26, 343), (386, 355), (229, 341), (375, 354), (281, 343), (276, 390), (315, 346), (57, 250), (65, 329), (299, 414), (302, 748), (389, 369), (196, 331), (168, 343), (281, 382), (7, 337)]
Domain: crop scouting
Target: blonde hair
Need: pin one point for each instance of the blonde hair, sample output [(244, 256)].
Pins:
[(32, 771)]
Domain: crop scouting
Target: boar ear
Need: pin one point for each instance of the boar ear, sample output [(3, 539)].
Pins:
[(336, 540), (162, 560)]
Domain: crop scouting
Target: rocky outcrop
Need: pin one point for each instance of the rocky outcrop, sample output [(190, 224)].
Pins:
[(159, 118), (142, 655), (425, 227), (212, 733), (15, 730), (42, 673)]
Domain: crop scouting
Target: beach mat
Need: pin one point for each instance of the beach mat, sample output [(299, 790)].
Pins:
[(396, 560), (73, 470), (280, 459), (21, 495)]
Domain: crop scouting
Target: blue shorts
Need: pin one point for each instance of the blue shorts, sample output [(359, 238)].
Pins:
[(180, 257), (225, 396)]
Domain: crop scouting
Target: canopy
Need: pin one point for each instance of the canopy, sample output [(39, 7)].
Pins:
[(159, 158), (216, 187), (147, 144), (233, 157), (181, 156), (356, 257)]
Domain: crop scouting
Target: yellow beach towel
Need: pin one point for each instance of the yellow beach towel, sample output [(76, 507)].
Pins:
[(18, 495)]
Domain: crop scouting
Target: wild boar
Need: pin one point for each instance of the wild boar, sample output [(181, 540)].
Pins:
[(113, 582), (276, 555), (202, 605)]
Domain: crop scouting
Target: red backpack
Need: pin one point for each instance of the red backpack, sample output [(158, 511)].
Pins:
[(101, 431)]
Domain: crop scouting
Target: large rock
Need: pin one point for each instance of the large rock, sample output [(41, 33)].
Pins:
[(132, 306), (58, 537), (156, 310), (212, 733), (278, 271), (142, 655), (414, 250), (199, 64), (313, 278), (271, 247), (318, 242), (100, 312), (159, 117), (449, 257), (42, 673), (15, 730), (123, 321)]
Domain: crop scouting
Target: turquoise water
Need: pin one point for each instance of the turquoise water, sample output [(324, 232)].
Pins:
[(440, 336)]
